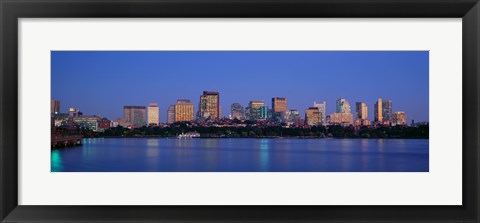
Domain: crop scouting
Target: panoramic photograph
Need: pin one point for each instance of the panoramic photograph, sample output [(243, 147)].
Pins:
[(239, 111)]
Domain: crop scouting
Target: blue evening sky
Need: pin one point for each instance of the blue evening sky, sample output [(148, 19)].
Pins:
[(102, 82)]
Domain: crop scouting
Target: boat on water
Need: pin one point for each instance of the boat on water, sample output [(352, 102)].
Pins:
[(189, 135)]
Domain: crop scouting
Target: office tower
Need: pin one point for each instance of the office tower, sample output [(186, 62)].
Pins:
[(322, 108), (220, 111), (237, 111), (343, 106), (400, 118), (264, 113), (292, 117), (209, 106), (55, 106), (135, 116), (383, 111), (279, 107), (341, 119), (253, 110), (313, 116), (183, 110), (361, 112), (153, 114), (171, 114)]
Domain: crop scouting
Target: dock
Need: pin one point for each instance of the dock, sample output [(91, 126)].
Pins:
[(65, 141)]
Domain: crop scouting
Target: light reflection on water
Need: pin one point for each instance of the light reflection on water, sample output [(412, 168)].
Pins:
[(264, 154), (243, 155)]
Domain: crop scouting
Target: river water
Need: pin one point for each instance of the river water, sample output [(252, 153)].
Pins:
[(243, 155)]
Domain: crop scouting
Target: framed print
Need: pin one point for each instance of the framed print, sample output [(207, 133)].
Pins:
[(204, 111)]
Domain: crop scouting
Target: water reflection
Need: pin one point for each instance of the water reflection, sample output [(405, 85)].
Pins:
[(243, 155), (153, 142), (56, 161), (264, 154)]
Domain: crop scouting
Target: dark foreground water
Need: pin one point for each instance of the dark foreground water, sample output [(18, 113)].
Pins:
[(243, 155)]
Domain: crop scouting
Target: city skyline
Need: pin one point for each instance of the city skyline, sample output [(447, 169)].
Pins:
[(391, 85)]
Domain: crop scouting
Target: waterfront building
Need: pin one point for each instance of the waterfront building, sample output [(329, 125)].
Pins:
[(183, 111), (383, 111), (343, 106), (134, 116), (209, 106), (279, 107), (104, 124), (400, 118), (312, 116), (253, 110), (322, 108), (264, 113), (90, 122), (361, 111), (341, 119), (171, 114), (55, 106), (237, 111), (153, 114)]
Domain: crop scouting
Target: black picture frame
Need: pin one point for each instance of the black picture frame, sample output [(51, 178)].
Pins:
[(12, 10)]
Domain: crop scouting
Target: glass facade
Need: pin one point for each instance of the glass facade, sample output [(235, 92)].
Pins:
[(171, 114), (253, 109), (237, 111), (361, 111), (210, 105), (322, 108), (55, 106), (135, 116), (343, 106), (153, 114), (264, 113), (312, 116), (183, 111), (400, 118), (383, 111)]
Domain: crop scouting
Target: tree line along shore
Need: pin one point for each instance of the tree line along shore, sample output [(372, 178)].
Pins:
[(334, 131)]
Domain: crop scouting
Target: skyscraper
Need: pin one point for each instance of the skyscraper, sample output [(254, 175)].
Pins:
[(55, 106), (183, 110), (383, 111), (153, 114), (292, 117), (400, 118), (312, 116), (171, 114), (253, 110), (322, 108), (279, 107), (135, 116), (343, 106), (361, 111), (209, 105), (237, 111), (263, 112)]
